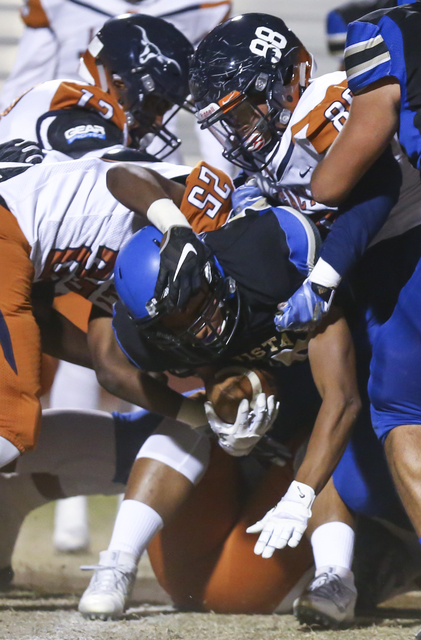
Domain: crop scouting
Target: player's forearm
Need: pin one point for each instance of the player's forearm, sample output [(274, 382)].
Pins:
[(61, 339), (372, 122), (137, 187), (329, 439), (332, 359), (364, 214), (137, 387), (121, 378)]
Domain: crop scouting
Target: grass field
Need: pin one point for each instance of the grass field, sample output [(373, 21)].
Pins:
[(43, 602)]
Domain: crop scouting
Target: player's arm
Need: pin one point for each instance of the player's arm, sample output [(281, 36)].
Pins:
[(60, 338), (360, 219), (332, 359), (183, 254), (121, 378), (333, 365), (139, 187), (373, 121)]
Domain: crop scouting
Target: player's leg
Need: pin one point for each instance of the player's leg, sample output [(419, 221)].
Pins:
[(20, 353), (239, 581), (186, 551), (330, 598), (167, 466), (74, 388), (76, 453), (395, 393)]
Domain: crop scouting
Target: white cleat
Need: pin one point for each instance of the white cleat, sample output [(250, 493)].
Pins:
[(329, 601), (110, 586)]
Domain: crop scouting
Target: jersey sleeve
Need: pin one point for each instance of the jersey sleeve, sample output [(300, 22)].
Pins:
[(363, 215), (77, 95), (207, 199), (323, 123), (33, 14), (367, 56)]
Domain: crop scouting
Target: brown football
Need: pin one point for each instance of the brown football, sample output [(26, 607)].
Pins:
[(229, 386)]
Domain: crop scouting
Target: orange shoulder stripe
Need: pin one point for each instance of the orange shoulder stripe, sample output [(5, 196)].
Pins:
[(325, 121), (72, 94)]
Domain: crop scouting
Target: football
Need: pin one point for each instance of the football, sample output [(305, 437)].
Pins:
[(229, 386)]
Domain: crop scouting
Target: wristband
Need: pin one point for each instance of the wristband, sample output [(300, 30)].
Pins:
[(325, 275), (192, 413), (164, 214)]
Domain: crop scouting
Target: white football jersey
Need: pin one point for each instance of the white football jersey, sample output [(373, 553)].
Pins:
[(318, 118), (75, 227), (31, 116)]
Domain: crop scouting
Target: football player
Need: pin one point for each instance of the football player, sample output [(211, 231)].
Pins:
[(137, 69), (230, 320), (76, 120), (385, 88), (277, 124), (140, 332)]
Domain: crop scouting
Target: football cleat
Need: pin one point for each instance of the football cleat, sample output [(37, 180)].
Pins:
[(329, 601), (110, 587)]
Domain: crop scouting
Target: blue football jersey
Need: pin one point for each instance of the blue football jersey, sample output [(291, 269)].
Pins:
[(386, 43)]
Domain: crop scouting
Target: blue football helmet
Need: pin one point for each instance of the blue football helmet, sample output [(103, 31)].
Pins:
[(199, 333)]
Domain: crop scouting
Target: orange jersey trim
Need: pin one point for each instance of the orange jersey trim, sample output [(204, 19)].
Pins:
[(209, 5)]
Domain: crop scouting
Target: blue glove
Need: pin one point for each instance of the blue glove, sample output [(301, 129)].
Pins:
[(305, 308), (245, 196)]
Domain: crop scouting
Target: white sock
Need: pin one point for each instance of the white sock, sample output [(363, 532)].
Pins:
[(135, 526), (8, 452), (333, 546)]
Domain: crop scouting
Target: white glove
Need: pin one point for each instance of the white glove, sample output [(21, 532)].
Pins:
[(285, 523), (238, 439)]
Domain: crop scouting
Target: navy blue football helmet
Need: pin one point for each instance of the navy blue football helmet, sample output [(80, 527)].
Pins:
[(246, 78), (198, 333), (143, 62)]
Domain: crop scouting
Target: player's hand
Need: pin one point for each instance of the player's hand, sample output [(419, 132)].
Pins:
[(183, 257), (238, 439), (284, 524), (305, 308), (22, 151)]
